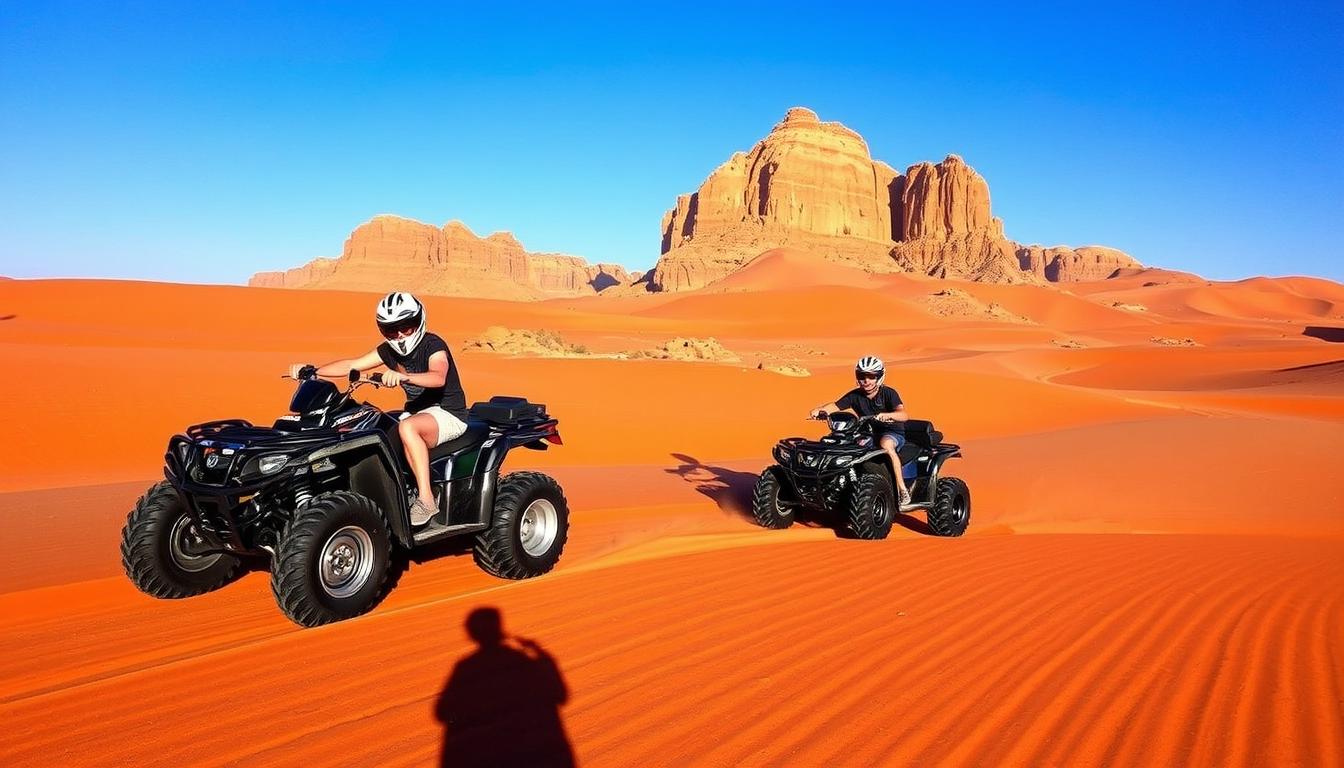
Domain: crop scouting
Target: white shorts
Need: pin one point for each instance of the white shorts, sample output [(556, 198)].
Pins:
[(449, 425)]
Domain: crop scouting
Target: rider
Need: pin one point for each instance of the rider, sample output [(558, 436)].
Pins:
[(436, 407), (882, 403)]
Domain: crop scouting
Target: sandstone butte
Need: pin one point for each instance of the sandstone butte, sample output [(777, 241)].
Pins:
[(813, 185), (809, 185), (393, 253)]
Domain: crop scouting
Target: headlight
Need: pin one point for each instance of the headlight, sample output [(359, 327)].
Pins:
[(843, 460), (269, 465), (183, 448), (782, 455)]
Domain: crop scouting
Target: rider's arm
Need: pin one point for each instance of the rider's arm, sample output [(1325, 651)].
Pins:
[(339, 369), (826, 408), (844, 403), (435, 376), (897, 415)]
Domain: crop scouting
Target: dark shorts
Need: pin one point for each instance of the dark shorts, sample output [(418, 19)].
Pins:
[(896, 434)]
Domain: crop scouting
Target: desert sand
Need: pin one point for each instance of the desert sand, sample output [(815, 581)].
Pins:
[(1153, 575)]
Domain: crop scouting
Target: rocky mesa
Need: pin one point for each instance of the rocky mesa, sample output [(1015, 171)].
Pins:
[(814, 185), (393, 253), (809, 185)]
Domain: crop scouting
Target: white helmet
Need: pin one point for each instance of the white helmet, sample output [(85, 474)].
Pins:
[(398, 313), (871, 364)]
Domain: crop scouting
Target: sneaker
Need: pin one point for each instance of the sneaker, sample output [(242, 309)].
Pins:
[(903, 497), (421, 512)]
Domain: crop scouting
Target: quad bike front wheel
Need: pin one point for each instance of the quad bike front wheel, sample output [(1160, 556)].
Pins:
[(162, 552), (333, 559), (528, 530), (871, 505), (951, 510), (766, 506)]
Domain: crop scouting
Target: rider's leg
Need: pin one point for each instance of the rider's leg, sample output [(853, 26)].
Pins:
[(418, 434), (889, 444)]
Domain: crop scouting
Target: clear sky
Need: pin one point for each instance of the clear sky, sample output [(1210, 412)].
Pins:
[(203, 143)]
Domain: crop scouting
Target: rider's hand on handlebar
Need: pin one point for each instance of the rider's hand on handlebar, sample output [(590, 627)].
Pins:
[(393, 378), (302, 371), (817, 413)]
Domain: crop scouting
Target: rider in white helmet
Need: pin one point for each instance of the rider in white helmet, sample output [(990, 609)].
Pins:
[(872, 398), (420, 362)]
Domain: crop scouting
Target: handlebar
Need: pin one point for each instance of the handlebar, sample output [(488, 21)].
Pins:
[(376, 379), (310, 372), (824, 416)]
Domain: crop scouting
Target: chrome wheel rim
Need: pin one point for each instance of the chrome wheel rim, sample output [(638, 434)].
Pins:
[(538, 527), (182, 539), (346, 561)]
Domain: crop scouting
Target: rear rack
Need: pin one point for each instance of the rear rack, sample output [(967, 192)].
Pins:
[(508, 411)]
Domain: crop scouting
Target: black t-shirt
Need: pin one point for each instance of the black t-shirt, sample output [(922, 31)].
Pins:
[(886, 400), (450, 396)]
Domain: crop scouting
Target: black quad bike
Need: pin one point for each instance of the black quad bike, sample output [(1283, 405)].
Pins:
[(324, 495), (847, 474)]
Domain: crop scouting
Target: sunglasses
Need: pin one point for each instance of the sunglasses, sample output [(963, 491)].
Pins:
[(866, 376), (400, 328)]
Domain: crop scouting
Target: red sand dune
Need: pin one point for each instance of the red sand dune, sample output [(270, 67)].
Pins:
[(791, 268), (1061, 630)]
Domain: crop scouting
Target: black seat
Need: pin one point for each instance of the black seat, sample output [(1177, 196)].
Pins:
[(476, 433), (909, 452), (921, 433)]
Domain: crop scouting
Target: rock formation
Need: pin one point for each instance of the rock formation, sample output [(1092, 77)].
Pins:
[(784, 370), (808, 185), (392, 253), (1066, 265), (814, 186), (523, 343), (688, 349)]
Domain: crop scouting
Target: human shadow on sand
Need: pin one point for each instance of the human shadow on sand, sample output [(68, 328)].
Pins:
[(732, 491), (501, 703)]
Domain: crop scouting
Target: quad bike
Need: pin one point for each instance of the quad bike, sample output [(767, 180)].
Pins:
[(846, 474), (324, 494)]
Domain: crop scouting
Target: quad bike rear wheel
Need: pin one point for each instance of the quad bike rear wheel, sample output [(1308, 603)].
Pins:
[(951, 510), (528, 530)]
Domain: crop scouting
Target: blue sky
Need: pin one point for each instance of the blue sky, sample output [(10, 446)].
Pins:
[(203, 143)]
